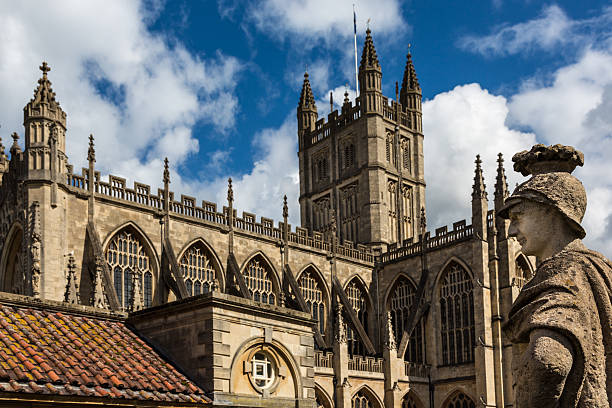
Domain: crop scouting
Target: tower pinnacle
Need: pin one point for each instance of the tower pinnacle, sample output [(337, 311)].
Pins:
[(307, 99), (479, 187), (369, 59), (501, 185), (410, 82)]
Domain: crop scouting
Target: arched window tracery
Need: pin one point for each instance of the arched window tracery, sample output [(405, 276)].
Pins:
[(361, 400), (409, 402), (358, 301), (313, 294), (198, 269), (257, 276), (126, 255), (14, 273), (460, 400), (457, 316), (400, 303), (522, 271), (320, 400)]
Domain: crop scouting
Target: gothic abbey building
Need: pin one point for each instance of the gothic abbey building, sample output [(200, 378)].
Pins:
[(360, 307)]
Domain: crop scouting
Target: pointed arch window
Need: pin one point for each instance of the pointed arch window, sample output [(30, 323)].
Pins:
[(14, 273), (361, 400), (400, 303), (314, 297), (457, 316), (409, 402), (460, 400), (257, 278), (358, 301), (522, 271), (198, 269), (125, 255)]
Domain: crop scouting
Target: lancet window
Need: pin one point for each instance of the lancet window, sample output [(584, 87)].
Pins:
[(406, 154), (197, 267), (348, 155), (359, 303), (258, 280), (349, 213), (321, 214), (394, 213), (400, 304), (125, 256), (460, 400), (360, 400), (314, 297), (457, 316)]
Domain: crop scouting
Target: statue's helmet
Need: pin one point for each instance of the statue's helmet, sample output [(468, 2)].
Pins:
[(551, 183)]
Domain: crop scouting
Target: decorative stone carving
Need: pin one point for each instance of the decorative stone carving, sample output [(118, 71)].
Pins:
[(35, 249), (98, 297), (561, 322), (136, 301), (72, 287), (340, 335), (390, 343)]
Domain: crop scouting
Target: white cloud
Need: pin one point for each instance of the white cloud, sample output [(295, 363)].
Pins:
[(548, 31), (459, 124), (324, 19), (261, 190), (575, 110), (159, 90)]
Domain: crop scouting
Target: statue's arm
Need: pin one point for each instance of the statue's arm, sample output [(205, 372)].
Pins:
[(546, 364)]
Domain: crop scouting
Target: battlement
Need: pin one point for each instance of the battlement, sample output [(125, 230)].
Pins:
[(336, 121), (460, 232), (187, 206)]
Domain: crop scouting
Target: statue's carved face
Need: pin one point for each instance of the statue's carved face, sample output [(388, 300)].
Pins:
[(529, 225)]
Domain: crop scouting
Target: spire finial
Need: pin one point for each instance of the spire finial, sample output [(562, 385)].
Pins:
[(71, 295), (307, 99), (15, 147), (44, 68), (91, 152), (369, 58), (331, 101), (285, 209), (409, 45), (423, 221), (479, 187), (501, 185), (166, 172), (230, 192)]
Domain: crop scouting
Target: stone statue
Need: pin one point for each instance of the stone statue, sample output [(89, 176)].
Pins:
[(560, 324)]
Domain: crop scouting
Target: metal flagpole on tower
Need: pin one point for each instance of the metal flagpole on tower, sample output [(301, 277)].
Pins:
[(355, 40)]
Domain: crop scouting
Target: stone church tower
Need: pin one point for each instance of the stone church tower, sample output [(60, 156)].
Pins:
[(363, 167), (258, 313)]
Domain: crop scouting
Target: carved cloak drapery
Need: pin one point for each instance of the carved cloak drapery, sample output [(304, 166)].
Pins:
[(570, 294)]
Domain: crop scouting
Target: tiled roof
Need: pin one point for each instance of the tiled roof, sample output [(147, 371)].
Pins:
[(44, 351)]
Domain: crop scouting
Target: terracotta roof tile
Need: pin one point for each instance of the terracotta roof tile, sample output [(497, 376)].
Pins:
[(48, 352)]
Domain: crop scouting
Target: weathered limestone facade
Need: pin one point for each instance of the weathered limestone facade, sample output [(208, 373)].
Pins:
[(359, 307)]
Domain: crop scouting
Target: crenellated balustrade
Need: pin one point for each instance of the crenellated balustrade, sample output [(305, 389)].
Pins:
[(115, 188)]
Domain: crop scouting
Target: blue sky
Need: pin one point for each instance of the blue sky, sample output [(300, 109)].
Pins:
[(214, 86)]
